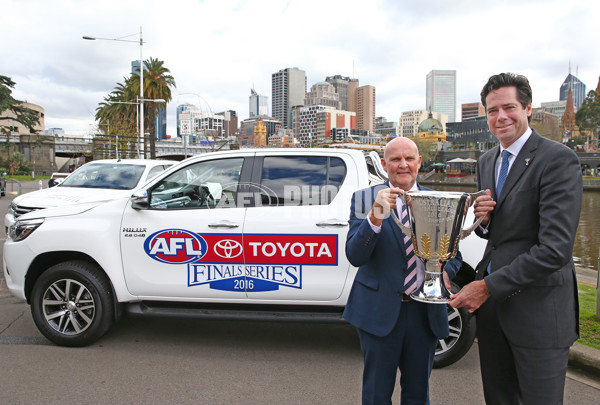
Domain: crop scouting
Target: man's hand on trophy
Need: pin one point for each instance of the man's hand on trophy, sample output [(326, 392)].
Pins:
[(483, 207), (471, 296), (384, 203)]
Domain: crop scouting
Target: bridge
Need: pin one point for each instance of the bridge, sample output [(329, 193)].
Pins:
[(109, 148)]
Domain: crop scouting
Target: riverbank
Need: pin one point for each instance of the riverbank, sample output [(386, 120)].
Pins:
[(439, 179)]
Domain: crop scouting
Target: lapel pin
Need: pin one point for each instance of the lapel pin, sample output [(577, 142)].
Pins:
[(527, 161)]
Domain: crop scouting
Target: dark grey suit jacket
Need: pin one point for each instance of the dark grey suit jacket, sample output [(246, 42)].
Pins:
[(530, 243)]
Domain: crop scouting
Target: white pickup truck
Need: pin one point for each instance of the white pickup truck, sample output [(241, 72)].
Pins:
[(257, 233)]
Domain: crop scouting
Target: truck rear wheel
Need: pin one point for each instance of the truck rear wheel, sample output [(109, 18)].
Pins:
[(462, 334), (72, 303)]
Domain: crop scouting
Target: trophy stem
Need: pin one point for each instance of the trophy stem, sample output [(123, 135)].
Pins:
[(433, 290)]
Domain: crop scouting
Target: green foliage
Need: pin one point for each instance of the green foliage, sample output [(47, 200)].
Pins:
[(588, 323), (116, 118), (575, 141), (427, 150), (588, 115), (23, 115), (18, 163)]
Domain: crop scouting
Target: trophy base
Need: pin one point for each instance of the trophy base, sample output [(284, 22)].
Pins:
[(433, 290)]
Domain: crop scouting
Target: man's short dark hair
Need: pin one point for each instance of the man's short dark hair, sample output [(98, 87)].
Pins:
[(508, 80)]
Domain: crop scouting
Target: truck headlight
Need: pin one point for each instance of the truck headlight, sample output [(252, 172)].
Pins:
[(22, 229)]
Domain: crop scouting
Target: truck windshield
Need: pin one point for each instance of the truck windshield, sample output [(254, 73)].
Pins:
[(105, 175)]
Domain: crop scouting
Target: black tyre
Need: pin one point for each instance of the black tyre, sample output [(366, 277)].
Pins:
[(72, 303), (460, 340)]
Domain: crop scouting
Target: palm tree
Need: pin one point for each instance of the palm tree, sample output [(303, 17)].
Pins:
[(157, 85), (118, 119)]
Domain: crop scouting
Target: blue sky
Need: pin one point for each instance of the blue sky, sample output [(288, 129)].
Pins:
[(220, 49)]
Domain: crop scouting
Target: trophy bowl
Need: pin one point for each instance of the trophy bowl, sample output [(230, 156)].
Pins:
[(436, 227)]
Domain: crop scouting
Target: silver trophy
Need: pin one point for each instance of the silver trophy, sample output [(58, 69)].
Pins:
[(436, 227)]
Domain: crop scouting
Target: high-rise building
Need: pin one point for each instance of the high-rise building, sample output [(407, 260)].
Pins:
[(340, 83), (230, 125), (577, 88), (470, 110), (259, 105), (323, 93), (365, 103), (314, 123), (288, 89), (441, 92)]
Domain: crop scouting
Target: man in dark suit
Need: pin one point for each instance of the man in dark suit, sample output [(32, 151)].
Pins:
[(525, 292), (395, 331)]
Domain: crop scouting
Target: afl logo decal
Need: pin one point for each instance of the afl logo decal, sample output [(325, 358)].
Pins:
[(175, 246), (228, 248)]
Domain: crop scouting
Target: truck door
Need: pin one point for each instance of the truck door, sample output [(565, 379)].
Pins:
[(187, 244), (296, 231)]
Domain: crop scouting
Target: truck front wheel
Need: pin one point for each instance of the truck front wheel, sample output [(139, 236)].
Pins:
[(72, 303)]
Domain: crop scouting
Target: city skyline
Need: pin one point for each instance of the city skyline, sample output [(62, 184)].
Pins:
[(217, 51)]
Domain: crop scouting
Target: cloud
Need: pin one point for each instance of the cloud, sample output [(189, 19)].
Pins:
[(220, 49)]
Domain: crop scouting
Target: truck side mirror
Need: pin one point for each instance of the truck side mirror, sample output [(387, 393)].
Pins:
[(139, 200)]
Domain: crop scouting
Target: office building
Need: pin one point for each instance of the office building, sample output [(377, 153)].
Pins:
[(386, 128), (323, 93), (259, 105), (288, 89), (577, 87), (441, 93), (471, 110), (365, 106), (341, 83)]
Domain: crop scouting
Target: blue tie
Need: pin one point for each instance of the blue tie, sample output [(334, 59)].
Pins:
[(501, 180), (503, 172)]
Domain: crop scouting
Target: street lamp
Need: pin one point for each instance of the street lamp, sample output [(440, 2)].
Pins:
[(141, 42), (139, 102)]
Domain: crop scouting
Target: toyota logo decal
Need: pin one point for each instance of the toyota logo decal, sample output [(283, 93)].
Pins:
[(228, 248)]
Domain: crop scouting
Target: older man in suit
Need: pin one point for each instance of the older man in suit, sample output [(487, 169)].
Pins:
[(395, 331), (525, 292)]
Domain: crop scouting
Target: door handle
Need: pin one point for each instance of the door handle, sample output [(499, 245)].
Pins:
[(223, 224), (332, 223)]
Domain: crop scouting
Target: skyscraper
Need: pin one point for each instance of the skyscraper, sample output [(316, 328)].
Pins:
[(340, 83), (577, 88), (441, 93), (259, 105), (288, 89), (365, 103)]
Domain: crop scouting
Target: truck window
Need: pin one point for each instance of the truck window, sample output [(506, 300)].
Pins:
[(301, 180), (207, 184)]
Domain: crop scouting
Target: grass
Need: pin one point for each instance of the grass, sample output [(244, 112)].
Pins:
[(589, 325)]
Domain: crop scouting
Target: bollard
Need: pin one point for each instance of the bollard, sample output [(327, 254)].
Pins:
[(40, 184)]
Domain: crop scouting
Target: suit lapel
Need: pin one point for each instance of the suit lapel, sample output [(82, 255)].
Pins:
[(488, 169), (519, 166)]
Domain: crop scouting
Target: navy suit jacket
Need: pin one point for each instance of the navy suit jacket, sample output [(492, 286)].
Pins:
[(376, 296)]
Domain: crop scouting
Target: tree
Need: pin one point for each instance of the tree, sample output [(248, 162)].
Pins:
[(588, 115), (14, 110), (427, 150), (118, 119), (157, 85), (23, 115)]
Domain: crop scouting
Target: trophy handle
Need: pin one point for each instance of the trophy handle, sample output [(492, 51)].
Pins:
[(467, 231), (405, 229)]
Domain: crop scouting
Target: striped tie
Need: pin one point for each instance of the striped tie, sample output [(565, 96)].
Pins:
[(410, 281)]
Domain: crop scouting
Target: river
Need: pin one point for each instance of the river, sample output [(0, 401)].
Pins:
[(587, 242)]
